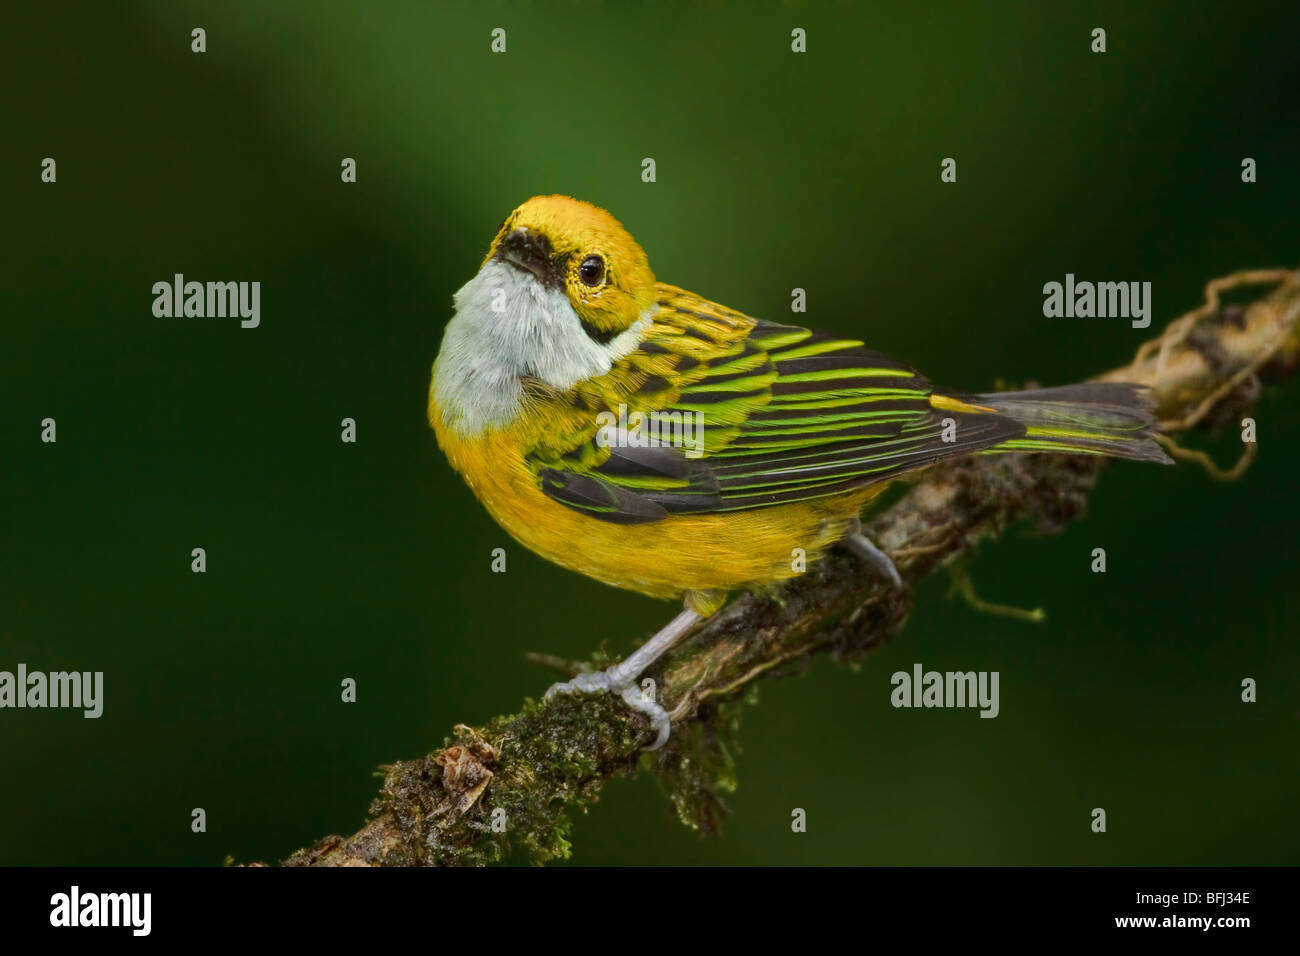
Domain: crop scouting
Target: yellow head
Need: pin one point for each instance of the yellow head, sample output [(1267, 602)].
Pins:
[(572, 245), (563, 294)]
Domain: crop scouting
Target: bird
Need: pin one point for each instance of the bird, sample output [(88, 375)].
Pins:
[(654, 440)]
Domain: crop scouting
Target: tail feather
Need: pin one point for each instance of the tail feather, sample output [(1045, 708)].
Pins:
[(1102, 418)]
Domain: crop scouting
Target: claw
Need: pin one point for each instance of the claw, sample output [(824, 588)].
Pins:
[(590, 683), (610, 681), (621, 678), (863, 547), (643, 703)]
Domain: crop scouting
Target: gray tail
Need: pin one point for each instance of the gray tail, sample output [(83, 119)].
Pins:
[(1102, 418)]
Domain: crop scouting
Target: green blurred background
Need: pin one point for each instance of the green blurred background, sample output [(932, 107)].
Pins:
[(775, 170)]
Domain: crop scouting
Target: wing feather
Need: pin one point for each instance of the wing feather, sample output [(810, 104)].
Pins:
[(786, 415)]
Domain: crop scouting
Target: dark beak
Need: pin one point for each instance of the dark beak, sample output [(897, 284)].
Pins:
[(531, 252)]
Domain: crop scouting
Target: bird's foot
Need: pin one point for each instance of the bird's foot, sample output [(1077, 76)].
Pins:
[(621, 678), (612, 681), (864, 548)]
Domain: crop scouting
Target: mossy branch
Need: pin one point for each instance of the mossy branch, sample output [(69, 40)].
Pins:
[(510, 784)]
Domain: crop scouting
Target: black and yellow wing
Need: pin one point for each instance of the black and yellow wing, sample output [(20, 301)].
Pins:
[(718, 412)]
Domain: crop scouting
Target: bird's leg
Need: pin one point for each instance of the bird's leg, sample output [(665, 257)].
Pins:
[(621, 678), (864, 548)]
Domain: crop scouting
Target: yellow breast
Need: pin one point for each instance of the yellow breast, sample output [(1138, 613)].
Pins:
[(715, 552)]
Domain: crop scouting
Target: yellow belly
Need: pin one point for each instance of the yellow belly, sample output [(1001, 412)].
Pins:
[(716, 552)]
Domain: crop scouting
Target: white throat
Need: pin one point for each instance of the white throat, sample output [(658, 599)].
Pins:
[(508, 325)]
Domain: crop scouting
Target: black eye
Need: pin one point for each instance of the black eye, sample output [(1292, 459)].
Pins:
[(592, 270)]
